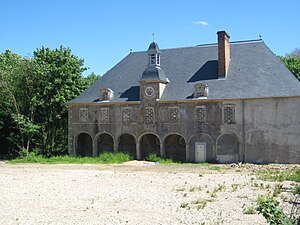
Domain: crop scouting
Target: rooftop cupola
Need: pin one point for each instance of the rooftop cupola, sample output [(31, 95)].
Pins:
[(154, 72)]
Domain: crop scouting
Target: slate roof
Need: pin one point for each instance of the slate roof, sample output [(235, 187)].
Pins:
[(254, 72)]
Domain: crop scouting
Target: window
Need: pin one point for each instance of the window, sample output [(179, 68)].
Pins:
[(173, 114), (83, 115), (104, 115), (228, 114), (152, 59), (106, 94), (200, 114), (157, 60), (126, 114), (201, 90), (149, 115)]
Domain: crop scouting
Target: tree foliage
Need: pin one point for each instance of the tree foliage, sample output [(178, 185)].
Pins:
[(292, 62), (33, 96)]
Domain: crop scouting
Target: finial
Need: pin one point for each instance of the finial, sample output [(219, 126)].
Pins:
[(260, 36), (153, 37), (131, 50)]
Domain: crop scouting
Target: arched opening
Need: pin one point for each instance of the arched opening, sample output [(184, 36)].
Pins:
[(84, 145), (175, 148), (201, 148), (105, 143), (127, 144), (227, 148), (149, 144)]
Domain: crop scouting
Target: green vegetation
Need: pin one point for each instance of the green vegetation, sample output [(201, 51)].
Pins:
[(269, 208), (155, 158), (33, 96), (249, 210), (104, 158), (279, 176)]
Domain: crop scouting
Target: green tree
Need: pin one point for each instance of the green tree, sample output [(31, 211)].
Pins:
[(54, 89), (17, 126), (292, 62)]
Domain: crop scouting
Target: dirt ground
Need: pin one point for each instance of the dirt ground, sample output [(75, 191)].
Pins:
[(131, 193)]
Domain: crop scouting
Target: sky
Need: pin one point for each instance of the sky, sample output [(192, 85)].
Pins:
[(102, 32)]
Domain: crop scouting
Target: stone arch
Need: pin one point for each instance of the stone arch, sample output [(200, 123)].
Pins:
[(104, 143), (84, 144), (127, 144), (227, 148), (175, 147), (207, 141), (149, 144)]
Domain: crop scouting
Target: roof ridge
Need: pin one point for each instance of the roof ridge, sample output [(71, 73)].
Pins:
[(205, 45)]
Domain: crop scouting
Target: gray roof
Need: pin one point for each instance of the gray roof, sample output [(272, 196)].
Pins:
[(254, 72)]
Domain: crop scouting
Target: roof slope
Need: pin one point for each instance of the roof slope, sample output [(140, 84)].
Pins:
[(254, 72)]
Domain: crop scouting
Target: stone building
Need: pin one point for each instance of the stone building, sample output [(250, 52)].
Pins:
[(223, 102)]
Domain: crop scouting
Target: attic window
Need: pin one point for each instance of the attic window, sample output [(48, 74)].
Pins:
[(106, 94), (201, 90)]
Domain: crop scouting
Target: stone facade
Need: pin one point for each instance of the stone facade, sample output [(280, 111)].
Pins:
[(263, 130)]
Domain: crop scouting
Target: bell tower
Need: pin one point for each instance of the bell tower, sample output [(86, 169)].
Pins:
[(153, 80)]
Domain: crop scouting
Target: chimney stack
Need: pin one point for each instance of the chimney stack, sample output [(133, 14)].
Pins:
[(223, 53)]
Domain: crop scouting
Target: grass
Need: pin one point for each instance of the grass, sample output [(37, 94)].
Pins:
[(104, 158), (279, 176), (249, 210), (155, 158)]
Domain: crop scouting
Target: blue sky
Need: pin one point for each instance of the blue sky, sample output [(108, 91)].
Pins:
[(103, 32)]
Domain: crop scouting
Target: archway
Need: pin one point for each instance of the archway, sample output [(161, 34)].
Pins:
[(149, 144), (175, 148), (201, 144), (127, 144), (105, 143), (84, 145), (227, 148)]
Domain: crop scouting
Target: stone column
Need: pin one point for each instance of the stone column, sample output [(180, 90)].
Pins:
[(161, 150), (138, 151), (116, 146), (187, 152)]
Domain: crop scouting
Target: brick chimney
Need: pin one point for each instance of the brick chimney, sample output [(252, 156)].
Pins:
[(223, 53)]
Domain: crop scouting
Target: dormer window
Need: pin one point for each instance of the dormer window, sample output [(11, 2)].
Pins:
[(106, 94), (201, 90)]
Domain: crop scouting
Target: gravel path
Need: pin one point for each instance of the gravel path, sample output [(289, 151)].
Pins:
[(131, 193)]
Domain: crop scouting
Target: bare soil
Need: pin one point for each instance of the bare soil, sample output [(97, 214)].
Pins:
[(132, 193)]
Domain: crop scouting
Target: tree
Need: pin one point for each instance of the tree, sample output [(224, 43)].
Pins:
[(17, 75), (33, 96), (62, 83), (292, 62)]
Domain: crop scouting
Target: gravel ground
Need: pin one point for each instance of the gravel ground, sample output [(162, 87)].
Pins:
[(130, 193)]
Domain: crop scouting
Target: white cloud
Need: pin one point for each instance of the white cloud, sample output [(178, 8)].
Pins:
[(204, 23)]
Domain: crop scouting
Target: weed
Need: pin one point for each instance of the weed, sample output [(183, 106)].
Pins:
[(235, 186), (195, 188), (249, 210), (155, 158), (279, 176), (180, 189), (185, 205), (277, 190), (268, 207)]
